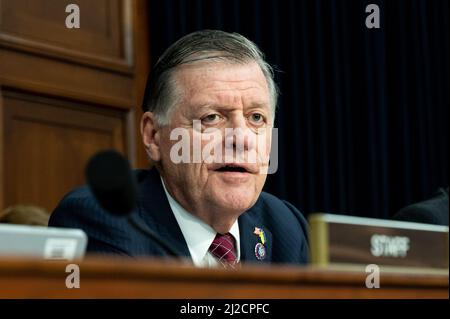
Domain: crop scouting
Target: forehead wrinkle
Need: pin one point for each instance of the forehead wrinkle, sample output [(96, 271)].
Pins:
[(202, 101), (206, 69), (234, 89), (223, 92)]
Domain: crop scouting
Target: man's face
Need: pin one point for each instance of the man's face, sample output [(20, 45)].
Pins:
[(219, 96)]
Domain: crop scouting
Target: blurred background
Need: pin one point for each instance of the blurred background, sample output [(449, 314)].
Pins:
[(362, 115)]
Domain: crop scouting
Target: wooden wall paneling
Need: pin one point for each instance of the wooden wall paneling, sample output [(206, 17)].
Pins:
[(52, 78), (142, 68), (2, 152), (39, 74), (49, 143), (38, 27)]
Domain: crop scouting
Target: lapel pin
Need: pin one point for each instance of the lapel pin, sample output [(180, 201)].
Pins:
[(260, 249), (259, 232)]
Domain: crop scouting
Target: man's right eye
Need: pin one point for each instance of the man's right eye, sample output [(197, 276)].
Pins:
[(211, 119)]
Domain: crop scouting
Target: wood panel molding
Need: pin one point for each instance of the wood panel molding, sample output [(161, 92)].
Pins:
[(104, 40), (50, 141), (66, 79)]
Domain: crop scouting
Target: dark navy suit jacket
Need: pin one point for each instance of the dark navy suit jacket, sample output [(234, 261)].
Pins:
[(283, 224)]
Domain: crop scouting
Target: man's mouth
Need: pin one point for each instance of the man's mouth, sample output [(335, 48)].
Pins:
[(234, 168)]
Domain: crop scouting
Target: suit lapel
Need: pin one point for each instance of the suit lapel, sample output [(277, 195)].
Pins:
[(155, 211), (247, 223)]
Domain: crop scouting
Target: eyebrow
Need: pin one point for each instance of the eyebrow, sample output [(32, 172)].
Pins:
[(253, 105)]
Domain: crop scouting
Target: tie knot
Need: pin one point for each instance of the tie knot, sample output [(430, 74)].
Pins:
[(223, 248)]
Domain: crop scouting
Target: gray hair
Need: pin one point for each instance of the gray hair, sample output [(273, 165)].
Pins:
[(160, 96)]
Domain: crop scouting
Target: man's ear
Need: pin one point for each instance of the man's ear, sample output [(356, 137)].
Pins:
[(150, 131)]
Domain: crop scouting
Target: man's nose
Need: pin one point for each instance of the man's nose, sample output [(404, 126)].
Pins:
[(239, 135)]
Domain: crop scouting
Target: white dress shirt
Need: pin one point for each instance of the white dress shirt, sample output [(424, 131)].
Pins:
[(199, 235)]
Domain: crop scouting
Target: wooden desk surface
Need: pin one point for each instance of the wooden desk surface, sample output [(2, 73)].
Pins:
[(102, 277)]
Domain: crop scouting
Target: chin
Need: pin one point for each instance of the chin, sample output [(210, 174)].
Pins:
[(236, 200)]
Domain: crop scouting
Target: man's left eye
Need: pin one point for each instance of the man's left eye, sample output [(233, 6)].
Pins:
[(257, 118)]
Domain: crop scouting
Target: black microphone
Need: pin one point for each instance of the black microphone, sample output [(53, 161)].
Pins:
[(112, 182)]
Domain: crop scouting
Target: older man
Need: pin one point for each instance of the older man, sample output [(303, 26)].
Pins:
[(215, 90)]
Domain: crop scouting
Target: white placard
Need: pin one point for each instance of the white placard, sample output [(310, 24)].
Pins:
[(60, 248)]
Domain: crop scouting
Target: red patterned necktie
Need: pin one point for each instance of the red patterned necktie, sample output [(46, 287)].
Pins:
[(224, 249)]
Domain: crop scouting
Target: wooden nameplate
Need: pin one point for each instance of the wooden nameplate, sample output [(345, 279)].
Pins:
[(346, 240)]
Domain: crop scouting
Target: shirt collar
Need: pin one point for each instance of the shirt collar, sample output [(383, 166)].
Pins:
[(198, 235)]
